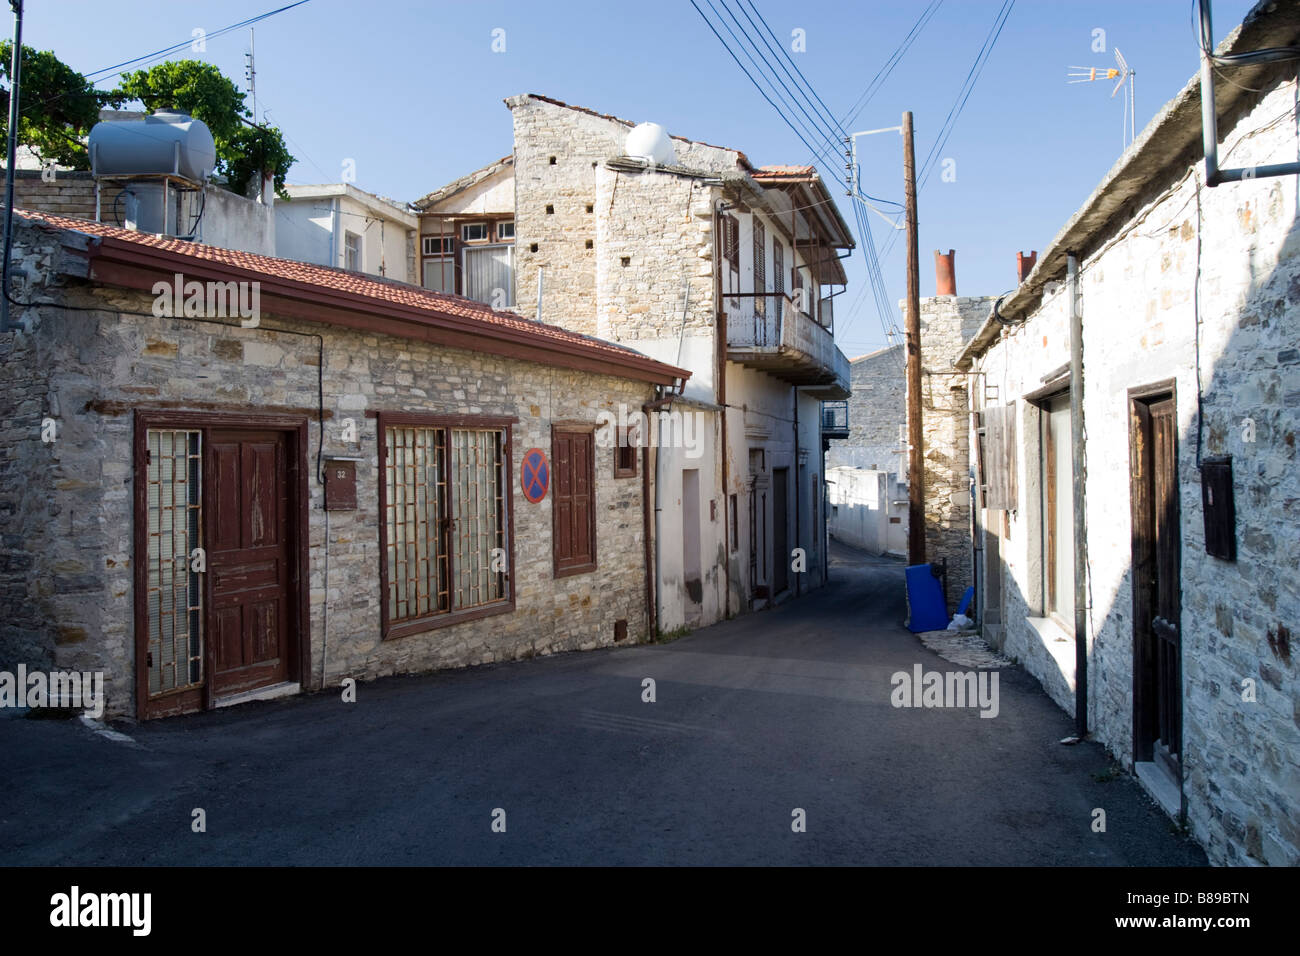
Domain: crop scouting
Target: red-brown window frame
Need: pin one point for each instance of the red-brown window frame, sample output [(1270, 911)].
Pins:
[(146, 418), (438, 619), (624, 448), (573, 428)]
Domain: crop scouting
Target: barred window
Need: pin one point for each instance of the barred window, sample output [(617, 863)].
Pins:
[(174, 592), (445, 520)]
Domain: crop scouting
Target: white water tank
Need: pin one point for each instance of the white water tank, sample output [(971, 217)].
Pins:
[(651, 142), (167, 143)]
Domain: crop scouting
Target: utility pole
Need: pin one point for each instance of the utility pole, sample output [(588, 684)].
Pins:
[(915, 441)]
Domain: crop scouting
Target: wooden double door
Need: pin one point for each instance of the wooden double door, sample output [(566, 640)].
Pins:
[(219, 575)]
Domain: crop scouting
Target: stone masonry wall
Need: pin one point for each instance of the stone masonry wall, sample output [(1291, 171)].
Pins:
[(877, 413), (71, 193), (654, 239), (564, 237), (947, 323), (67, 545)]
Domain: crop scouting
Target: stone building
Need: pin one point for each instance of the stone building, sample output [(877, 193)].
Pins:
[(226, 476), (467, 235), (339, 225), (947, 322), (877, 414), (1189, 297), (866, 470), (690, 254)]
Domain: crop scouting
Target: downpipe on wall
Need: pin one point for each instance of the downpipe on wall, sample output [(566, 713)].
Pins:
[(1078, 477)]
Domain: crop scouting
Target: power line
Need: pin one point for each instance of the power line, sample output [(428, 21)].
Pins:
[(762, 92), (825, 113), (810, 125), (959, 103), (175, 47)]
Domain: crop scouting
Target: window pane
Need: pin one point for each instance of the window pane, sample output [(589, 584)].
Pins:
[(490, 275), (175, 615), (416, 495), (479, 513), (440, 275)]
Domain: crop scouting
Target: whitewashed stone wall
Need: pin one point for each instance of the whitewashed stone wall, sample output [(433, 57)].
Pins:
[(66, 557), (1138, 296)]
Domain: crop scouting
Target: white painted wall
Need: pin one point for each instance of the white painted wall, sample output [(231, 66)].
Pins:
[(311, 227)]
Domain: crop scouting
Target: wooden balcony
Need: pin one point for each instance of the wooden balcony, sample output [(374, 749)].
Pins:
[(765, 331)]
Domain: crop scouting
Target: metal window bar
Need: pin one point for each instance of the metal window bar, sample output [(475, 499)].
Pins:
[(478, 509), (174, 495), (416, 487), (778, 278)]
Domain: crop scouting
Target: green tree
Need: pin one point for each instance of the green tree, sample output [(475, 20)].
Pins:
[(200, 89), (58, 106)]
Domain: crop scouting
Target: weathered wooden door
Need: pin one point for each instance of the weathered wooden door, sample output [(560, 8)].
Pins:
[(249, 559), (1157, 671), (780, 530)]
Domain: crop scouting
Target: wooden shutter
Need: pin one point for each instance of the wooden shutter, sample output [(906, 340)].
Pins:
[(573, 501), (1000, 457), (760, 267)]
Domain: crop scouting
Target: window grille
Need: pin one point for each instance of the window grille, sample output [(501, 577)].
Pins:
[(175, 591)]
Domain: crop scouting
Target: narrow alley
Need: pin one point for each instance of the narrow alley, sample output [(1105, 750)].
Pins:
[(753, 719)]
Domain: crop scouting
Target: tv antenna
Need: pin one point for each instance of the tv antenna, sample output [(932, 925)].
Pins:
[(1122, 73)]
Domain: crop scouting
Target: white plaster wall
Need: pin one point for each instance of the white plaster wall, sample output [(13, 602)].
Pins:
[(233, 222)]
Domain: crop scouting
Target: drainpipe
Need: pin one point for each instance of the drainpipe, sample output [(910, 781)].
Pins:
[(1209, 121), (650, 564), (650, 409), (798, 581), (1078, 477), (334, 233), (720, 389)]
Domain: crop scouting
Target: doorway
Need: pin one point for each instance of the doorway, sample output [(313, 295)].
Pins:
[(1157, 599), (780, 531), (220, 558), (691, 542)]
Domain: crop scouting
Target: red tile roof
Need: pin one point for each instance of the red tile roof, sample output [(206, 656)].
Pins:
[(801, 173), (353, 286)]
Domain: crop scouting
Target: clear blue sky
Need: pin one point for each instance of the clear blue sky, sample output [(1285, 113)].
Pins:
[(412, 91)]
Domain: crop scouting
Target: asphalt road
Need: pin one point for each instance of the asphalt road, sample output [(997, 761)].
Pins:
[(753, 719)]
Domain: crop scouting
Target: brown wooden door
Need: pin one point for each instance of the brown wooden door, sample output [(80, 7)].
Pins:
[(572, 499), (1157, 678), (780, 530), (249, 560)]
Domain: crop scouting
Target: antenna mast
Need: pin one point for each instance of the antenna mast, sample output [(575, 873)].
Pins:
[(250, 73), (1124, 74)]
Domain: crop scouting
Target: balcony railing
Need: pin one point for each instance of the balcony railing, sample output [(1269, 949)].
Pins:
[(835, 419), (766, 331)]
